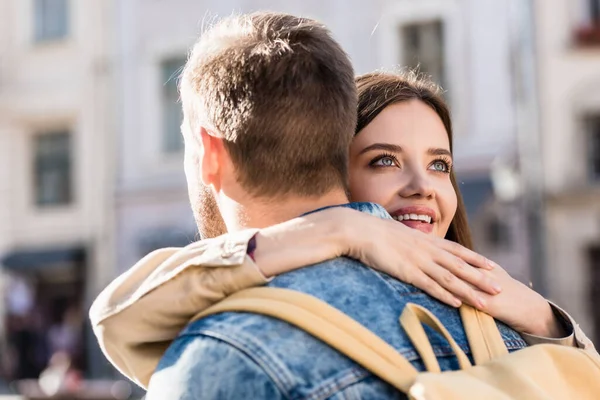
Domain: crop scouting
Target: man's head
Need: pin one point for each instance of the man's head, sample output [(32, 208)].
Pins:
[(269, 105)]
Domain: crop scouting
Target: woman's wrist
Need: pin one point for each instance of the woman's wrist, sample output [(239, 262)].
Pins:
[(548, 325), (300, 242), (338, 225)]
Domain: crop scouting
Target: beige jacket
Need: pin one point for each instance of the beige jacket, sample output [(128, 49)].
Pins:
[(140, 313)]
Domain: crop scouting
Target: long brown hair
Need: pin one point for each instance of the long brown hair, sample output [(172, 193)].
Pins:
[(378, 90)]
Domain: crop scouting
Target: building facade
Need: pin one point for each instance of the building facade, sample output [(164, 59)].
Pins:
[(56, 158), (568, 63)]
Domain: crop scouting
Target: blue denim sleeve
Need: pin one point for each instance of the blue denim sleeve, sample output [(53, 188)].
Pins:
[(200, 367)]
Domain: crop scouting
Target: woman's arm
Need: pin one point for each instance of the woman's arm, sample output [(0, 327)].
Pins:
[(437, 266)]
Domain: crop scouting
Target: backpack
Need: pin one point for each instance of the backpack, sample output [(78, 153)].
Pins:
[(542, 371)]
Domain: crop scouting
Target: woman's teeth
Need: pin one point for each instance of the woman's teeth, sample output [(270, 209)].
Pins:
[(413, 217)]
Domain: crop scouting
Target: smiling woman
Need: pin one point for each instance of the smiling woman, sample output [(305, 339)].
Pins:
[(402, 154)]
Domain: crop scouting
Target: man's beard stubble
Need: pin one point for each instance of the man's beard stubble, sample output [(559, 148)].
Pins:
[(207, 215)]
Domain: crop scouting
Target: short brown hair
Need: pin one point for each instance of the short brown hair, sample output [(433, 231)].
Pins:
[(378, 90), (280, 91)]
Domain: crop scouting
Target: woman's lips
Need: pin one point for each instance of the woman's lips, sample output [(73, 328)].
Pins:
[(419, 225)]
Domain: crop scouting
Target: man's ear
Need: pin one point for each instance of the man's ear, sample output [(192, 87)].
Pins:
[(212, 147)]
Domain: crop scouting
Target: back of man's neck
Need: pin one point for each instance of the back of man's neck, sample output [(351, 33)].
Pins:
[(261, 213)]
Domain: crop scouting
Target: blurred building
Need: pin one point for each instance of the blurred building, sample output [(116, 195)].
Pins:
[(56, 158), (568, 62)]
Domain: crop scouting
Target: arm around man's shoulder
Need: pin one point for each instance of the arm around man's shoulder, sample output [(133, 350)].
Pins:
[(201, 367), (137, 316)]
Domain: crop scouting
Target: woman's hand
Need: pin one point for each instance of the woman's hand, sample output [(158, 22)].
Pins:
[(441, 268)]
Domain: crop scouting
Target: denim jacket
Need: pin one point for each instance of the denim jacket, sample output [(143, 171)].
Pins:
[(257, 357)]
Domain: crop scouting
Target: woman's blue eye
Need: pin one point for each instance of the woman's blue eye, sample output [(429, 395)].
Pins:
[(440, 166), (385, 162)]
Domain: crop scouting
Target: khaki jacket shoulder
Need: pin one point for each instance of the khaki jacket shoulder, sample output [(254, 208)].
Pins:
[(140, 313)]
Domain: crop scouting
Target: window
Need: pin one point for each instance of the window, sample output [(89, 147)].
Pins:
[(423, 48), (52, 169), (51, 19), (593, 133), (172, 141)]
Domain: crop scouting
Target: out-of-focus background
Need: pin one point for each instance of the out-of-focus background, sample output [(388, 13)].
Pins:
[(91, 174)]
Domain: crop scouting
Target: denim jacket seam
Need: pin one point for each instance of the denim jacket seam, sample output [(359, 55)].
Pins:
[(382, 278), (385, 278), (333, 385), (279, 374)]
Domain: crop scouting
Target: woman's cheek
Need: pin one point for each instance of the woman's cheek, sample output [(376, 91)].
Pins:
[(360, 186), (371, 188), (448, 203), (359, 191)]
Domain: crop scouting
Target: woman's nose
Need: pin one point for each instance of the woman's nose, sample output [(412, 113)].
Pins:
[(419, 185)]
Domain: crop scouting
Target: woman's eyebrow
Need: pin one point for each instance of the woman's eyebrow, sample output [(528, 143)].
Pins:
[(392, 148), (439, 152)]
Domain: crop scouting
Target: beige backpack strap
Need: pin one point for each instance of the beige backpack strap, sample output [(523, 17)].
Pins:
[(412, 319), (328, 324), (483, 335)]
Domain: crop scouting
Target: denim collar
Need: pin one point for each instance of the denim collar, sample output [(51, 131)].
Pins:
[(369, 208)]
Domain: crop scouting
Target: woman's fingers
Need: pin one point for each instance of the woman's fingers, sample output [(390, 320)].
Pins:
[(434, 289), (456, 286), (459, 268), (439, 267), (471, 257)]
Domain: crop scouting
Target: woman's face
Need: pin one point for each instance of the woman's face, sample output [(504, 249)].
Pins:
[(402, 161)]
